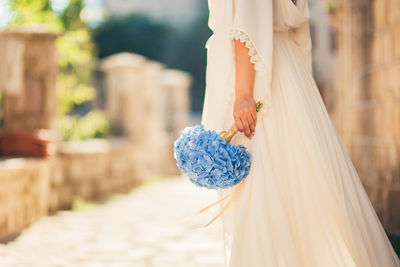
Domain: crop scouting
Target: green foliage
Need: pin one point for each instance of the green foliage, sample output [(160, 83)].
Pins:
[(76, 58), (75, 50), (34, 12), (73, 94), (71, 15), (93, 125)]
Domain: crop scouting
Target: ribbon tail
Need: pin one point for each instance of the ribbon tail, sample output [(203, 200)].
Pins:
[(228, 203), (200, 211)]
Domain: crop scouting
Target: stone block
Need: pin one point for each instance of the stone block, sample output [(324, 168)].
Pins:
[(378, 122), (393, 11), (387, 46), (177, 85), (380, 13), (378, 44), (23, 193), (96, 168), (376, 80), (396, 38), (125, 89), (11, 67), (35, 106)]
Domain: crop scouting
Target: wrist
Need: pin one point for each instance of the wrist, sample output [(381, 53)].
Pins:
[(244, 94)]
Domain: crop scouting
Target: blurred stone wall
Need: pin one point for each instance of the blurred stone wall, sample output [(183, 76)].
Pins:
[(31, 188), (23, 193), (90, 169), (146, 104), (367, 108), (149, 105)]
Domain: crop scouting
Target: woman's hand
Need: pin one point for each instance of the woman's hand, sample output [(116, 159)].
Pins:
[(245, 115)]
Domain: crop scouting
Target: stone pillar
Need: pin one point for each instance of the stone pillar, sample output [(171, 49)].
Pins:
[(28, 80), (159, 149), (177, 84), (11, 68), (124, 94), (154, 101), (135, 104)]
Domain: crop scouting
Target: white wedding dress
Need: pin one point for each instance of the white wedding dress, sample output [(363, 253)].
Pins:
[(302, 203)]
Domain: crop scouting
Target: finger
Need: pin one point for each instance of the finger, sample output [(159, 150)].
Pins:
[(255, 124), (252, 125), (254, 115), (246, 126), (239, 124)]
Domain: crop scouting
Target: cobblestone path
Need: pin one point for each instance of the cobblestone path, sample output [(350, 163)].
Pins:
[(129, 230)]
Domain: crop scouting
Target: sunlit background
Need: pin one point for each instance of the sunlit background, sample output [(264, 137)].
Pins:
[(94, 92)]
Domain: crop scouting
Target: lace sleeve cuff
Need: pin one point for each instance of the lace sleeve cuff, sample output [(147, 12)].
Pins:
[(255, 58)]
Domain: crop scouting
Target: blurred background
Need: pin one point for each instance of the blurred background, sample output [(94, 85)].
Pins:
[(94, 92)]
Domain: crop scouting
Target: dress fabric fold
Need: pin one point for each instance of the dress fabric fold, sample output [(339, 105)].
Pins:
[(303, 204)]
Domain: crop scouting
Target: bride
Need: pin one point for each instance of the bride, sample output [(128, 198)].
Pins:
[(302, 203)]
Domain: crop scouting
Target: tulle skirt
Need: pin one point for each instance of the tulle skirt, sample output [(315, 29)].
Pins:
[(303, 203)]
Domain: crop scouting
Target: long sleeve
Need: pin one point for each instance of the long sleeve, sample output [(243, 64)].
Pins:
[(253, 24)]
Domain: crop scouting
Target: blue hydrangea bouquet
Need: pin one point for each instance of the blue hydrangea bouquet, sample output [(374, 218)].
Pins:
[(209, 160)]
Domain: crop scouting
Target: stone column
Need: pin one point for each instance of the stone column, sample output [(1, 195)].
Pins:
[(11, 69), (154, 101), (177, 84), (28, 80), (124, 94), (158, 152), (134, 103)]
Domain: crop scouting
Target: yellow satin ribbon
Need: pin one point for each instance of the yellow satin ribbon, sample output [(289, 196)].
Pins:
[(233, 196)]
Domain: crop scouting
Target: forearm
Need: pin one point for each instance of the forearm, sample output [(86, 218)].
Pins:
[(245, 72), (244, 110)]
